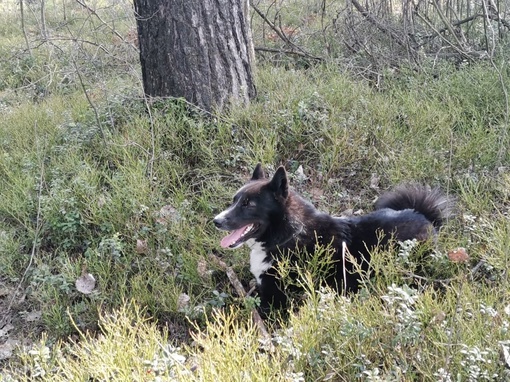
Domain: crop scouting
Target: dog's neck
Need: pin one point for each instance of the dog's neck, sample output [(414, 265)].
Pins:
[(291, 225)]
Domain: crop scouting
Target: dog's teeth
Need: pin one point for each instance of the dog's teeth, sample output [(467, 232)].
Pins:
[(247, 230)]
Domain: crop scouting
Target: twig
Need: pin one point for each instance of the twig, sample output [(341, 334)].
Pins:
[(230, 274), (383, 28), (96, 113), (282, 36), (444, 29), (475, 269), (241, 292), (92, 11), (44, 31), (78, 40), (410, 275), (152, 156), (285, 51), (447, 24), (498, 18), (440, 35), (22, 11), (271, 25)]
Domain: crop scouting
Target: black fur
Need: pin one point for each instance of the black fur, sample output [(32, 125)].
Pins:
[(279, 220)]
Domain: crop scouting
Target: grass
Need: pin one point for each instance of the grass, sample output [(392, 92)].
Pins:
[(85, 181)]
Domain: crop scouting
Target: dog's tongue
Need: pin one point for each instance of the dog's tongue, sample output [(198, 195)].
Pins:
[(233, 237)]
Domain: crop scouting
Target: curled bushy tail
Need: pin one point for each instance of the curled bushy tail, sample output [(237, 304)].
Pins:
[(429, 202)]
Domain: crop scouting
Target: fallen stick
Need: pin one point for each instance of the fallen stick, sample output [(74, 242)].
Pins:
[(241, 292)]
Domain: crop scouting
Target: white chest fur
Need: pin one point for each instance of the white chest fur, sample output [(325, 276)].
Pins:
[(258, 265)]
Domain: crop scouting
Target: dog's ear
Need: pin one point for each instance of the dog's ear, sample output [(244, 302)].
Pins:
[(279, 183), (258, 173)]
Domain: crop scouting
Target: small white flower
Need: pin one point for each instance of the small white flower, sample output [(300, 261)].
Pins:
[(443, 375), (372, 375), (489, 310), (406, 248)]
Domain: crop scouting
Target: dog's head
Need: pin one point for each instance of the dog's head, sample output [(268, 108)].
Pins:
[(254, 207)]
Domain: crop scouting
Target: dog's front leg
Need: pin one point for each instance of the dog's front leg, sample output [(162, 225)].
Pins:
[(271, 295)]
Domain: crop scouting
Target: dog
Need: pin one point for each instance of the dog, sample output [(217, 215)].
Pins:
[(276, 223)]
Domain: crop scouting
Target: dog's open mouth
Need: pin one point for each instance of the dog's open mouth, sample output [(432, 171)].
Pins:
[(237, 237)]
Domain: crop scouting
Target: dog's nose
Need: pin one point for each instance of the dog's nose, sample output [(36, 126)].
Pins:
[(218, 222)]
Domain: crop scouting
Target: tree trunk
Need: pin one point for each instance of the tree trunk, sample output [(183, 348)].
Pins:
[(197, 49)]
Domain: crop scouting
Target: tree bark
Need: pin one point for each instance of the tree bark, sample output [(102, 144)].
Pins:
[(197, 49)]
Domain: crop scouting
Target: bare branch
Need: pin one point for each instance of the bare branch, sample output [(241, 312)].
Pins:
[(241, 292), (438, 32), (284, 38), (448, 25), (93, 12), (22, 12), (96, 113), (440, 35), (290, 52), (383, 28)]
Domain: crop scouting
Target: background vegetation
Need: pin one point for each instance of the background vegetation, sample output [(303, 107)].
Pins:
[(95, 181)]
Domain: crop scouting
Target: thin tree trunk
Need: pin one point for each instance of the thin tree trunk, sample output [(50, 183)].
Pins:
[(197, 49), (22, 11), (44, 32)]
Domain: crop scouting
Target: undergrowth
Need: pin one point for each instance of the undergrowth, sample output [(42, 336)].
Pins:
[(123, 190)]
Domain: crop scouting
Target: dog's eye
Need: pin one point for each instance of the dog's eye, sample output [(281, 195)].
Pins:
[(248, 203)]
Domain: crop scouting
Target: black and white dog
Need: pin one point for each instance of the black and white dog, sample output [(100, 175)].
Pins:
[(274, 221)]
